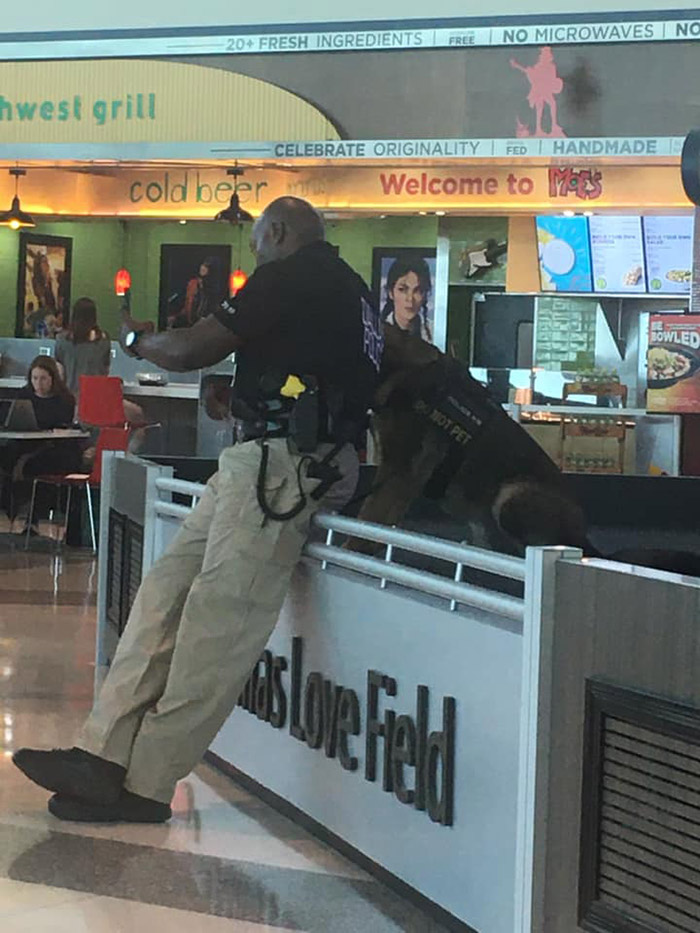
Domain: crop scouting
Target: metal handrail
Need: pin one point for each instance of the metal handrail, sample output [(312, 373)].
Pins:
[(184, 487), (172, 509), (429, 583), (385, 569), (502, 565)]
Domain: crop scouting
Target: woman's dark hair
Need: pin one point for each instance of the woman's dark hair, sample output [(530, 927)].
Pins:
[(402, 266), (398, 269), (213, 282), (49, 365), (84, 321)]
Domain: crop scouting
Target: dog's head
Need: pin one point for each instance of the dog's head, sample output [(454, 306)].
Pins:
[(405, 351), (407, 363)]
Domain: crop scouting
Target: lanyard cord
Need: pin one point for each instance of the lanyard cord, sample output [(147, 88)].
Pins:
[(323, 470), (267, 511)]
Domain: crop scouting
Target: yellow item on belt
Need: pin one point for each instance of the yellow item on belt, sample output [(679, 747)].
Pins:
[(293, 387)]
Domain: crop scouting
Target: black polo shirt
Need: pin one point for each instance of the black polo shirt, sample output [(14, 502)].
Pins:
[(308, 315)]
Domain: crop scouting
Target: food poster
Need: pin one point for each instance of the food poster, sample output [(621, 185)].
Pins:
[(668, 242), (617, 254), (673, 363), (478, 249), (564, 253), (565, 331)]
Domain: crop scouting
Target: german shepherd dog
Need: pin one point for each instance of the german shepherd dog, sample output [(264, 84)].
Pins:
[(439, 434)]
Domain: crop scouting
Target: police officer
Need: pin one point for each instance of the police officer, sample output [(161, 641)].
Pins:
[(203, 614)]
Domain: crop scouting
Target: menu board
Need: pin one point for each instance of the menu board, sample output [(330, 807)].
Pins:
[(669, 247), (564, 253), (565, 334), (673, 363), (617, 254)]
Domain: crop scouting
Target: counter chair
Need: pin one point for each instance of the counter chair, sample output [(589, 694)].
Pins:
[(101, 404), (110, 438)]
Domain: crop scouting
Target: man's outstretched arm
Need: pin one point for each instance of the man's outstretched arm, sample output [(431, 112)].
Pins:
[(205, 343)]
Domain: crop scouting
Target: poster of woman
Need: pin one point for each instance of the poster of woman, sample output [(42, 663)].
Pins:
[(193, 280), (402, 285), (43, 285)]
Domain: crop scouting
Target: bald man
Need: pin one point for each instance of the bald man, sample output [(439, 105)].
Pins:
[(205, 611)]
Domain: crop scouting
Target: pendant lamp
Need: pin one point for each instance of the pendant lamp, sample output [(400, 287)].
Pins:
[(234, 213), (236, 281), (16, 217), (122, 282)]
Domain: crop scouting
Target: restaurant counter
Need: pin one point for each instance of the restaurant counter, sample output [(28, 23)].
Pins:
[(586, 438), (181, 390), (652, 442), (183, 429)]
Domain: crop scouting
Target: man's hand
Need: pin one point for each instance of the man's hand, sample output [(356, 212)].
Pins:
[(128, 325), (126, 328), (204, 344)]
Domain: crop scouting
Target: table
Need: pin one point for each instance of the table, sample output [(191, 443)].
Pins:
[(179, 390), (52, 435)]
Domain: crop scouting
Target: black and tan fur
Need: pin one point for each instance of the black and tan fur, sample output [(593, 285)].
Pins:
[(501, 485)]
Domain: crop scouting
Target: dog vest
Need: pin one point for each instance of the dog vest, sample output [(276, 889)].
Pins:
[(462, 409)]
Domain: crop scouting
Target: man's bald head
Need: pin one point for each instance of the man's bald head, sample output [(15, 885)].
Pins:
[(285, 226)]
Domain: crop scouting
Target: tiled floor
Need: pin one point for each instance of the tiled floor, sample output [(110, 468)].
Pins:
[(226, 862)]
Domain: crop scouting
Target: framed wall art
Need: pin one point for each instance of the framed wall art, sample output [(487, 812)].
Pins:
[(43, 285), (403, 286)]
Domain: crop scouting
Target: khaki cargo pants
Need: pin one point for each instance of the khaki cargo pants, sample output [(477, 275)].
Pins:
[(202, 617)]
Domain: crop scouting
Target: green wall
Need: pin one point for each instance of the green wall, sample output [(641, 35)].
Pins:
[(100, 247), (97, 254), (356, 238)]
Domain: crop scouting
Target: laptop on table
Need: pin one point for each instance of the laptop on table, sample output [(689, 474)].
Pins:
[(17, 415)]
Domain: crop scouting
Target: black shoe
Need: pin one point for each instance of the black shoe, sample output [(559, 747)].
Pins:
[(74, 772), (129, 808)]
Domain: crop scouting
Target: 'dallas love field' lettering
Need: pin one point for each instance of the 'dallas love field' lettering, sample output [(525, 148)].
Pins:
[(328, 716)]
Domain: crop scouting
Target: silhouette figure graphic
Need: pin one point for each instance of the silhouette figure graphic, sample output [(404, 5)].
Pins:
[(545, 84)]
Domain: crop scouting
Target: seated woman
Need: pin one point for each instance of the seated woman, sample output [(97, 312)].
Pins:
[(20, 461)]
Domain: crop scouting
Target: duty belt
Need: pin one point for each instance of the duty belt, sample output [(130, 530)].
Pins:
[(253, 430)]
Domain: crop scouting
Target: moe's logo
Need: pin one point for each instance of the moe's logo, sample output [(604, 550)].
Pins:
[(586, 184)]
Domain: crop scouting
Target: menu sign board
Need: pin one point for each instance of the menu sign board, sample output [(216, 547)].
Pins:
[(564, 254), (617, 254), (565, 334), (673, 363), (668, 242)]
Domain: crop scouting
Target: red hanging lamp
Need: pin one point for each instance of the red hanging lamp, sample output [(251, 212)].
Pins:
[(122, 282), (236, 281)]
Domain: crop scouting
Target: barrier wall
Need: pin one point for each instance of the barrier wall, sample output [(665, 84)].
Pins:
[(435, 729)]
